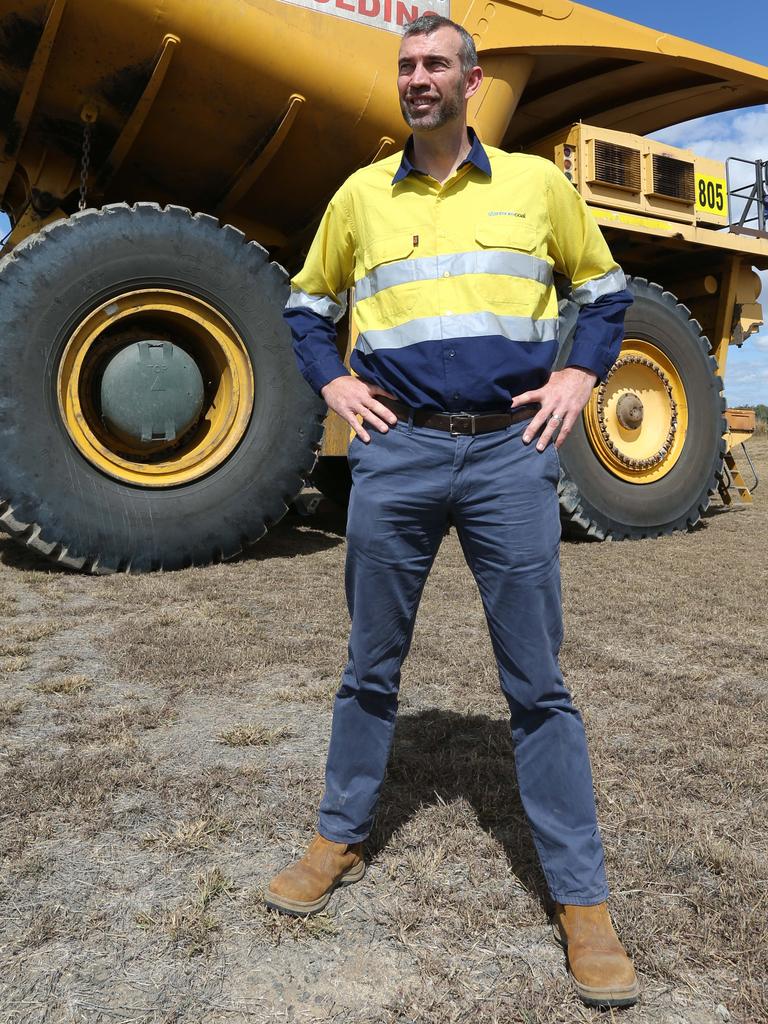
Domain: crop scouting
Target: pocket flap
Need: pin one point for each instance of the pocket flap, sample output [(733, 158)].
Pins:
[(387, 250), (506, 233)]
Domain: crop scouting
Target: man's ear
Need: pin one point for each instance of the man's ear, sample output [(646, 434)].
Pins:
[(474, 81)]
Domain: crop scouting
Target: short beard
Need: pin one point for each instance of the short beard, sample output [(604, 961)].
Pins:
[(446, 110)]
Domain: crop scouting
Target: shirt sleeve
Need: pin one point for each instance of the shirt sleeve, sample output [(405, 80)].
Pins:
[(318, 297), (599, 286)]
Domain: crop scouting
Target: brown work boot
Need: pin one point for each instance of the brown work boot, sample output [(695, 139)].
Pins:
[(600, 969), (305, 887)]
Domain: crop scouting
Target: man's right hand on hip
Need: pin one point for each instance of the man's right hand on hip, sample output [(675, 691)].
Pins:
[(350, 397)]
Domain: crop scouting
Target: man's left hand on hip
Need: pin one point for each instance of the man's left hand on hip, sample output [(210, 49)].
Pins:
[(561, 400)]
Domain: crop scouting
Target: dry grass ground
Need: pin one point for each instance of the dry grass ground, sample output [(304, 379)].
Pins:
[(162, 742)]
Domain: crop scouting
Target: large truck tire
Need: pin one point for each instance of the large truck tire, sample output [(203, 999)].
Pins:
[(645, 456), (151, 414)]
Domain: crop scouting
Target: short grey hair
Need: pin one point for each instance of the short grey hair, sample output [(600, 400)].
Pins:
[(429, 23)]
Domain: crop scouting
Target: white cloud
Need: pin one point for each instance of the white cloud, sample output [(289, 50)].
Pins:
[(743, 374), (747, 382), (741, 133)]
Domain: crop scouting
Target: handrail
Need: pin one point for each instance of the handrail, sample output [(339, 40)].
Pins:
[(754, 195)]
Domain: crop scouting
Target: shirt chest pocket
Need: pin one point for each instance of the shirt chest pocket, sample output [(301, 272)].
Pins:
[(510, 274), (389, 274), (506, 233)]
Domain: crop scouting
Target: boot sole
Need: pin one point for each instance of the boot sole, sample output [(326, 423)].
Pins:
[(305, 908), (598, 997)]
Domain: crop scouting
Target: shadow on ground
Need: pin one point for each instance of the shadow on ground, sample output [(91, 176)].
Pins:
[(297, 535), (18, 556), (293, 536), (715, 510), (443, 756)]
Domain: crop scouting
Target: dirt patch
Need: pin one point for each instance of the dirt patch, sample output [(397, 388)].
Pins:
[(163, 741)]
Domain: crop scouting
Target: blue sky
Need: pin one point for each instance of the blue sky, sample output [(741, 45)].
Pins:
[(743, 30)]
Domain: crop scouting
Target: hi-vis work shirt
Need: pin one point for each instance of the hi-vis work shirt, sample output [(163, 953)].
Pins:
[(455, 302)]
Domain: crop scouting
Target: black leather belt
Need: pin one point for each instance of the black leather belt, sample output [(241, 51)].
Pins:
[(459, 422)]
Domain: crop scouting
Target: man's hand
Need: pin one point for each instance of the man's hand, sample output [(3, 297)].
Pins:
[(561, 399), (351, 397)]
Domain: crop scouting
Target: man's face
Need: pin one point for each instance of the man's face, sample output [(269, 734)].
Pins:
[(430, 81)]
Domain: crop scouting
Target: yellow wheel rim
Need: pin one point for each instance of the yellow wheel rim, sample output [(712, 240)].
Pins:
[(220, 355), (637, 420)]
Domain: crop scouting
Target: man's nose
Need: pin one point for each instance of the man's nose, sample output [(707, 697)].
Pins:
[(420, 75)]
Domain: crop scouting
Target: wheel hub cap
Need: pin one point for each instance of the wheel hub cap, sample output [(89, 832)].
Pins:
[(151, 391), (629, 411)]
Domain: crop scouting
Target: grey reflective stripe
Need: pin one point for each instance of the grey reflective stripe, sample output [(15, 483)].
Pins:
[(590, 291), (431, 268), (323, 305), (465, 325)]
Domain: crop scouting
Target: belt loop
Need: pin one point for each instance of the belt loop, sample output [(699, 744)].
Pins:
[(410, 420)]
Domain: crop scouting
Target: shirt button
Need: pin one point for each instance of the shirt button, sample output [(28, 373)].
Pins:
[(451, 353), (456, 396), (447, 274)]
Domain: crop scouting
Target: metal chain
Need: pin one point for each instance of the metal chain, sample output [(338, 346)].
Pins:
[(84, 166)]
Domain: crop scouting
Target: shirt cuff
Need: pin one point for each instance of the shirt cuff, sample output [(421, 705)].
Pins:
[(314, 345), (599, 333)]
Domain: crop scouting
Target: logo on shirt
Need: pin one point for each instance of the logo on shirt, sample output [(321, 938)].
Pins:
[(505, 213)]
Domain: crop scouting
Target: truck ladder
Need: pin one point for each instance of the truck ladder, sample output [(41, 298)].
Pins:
[(731, 478)]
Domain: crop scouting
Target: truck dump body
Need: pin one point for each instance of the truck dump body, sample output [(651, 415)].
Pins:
[(221, 106)]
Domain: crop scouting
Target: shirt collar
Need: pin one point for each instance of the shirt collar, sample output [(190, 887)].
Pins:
[(476, 156)]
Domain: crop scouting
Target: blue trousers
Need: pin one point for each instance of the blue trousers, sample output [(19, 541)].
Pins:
[(501, 496)]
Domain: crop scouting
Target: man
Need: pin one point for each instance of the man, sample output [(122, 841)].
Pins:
[(451, 250)]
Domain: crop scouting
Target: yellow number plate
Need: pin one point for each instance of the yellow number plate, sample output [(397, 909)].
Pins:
[(711, 195)]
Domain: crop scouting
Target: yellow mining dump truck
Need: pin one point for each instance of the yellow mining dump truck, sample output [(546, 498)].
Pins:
[(161, 161)]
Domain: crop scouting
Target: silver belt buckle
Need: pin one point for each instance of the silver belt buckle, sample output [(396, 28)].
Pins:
[(466, 417)]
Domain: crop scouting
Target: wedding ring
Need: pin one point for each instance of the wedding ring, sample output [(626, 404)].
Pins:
[(554, 418)]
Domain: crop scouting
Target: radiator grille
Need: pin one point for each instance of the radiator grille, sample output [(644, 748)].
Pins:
[(673, 179), (617, 165)]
